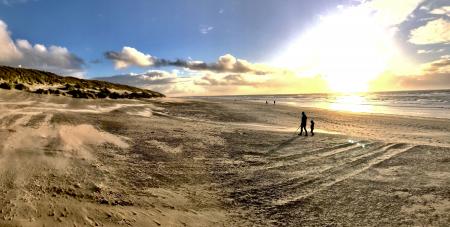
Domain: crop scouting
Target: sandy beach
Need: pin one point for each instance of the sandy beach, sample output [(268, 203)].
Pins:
[(212, 162)]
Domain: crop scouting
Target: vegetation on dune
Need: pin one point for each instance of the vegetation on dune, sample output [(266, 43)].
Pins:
[(25, 79)]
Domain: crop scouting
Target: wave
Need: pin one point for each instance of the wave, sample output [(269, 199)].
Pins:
[(416, 103)]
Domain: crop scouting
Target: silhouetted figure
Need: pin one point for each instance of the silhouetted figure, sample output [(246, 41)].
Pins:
[(267, 102), (303, 125), (312, 128), (274, 102)]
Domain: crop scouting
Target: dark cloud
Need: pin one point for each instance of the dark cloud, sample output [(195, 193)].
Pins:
[(435, 75), (227, 63), (161, 81), (230, 79), (55, 59), (142, 80), (438, 65), (96, 61), (128, 58), (431, 81)]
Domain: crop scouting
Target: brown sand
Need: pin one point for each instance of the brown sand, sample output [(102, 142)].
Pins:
[(175, 162)]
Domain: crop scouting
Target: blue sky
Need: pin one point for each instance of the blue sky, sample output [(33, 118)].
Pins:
[(256, 31), (171, 29)]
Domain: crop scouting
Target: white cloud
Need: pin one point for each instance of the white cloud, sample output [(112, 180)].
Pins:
[(11, 2), (436, 31), (422, 51), (229, 63), (424, 8), (24, 44), (53, 58), (427, 18), (205, 29), (130, 56), (390, 12), (8, 51), (444, 10), (229, 75)]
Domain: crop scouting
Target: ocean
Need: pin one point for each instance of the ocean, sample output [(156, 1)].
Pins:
[(431, 103)]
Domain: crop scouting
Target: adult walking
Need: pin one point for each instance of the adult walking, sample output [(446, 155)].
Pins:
[(303, 124)]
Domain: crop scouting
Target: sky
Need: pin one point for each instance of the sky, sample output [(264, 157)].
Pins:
[(201, 47)]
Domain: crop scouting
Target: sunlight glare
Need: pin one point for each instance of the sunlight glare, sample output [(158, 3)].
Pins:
[(349, 49), (351, 103)]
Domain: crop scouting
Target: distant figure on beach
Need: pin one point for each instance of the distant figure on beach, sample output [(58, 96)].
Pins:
[(267, 102), (312, 128), (274, 102), (303, 124)]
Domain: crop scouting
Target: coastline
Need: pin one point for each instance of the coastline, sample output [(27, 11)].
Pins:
[(425, 103), (365, 125)]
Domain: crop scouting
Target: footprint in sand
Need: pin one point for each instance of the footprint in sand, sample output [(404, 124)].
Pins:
[(165, 147)]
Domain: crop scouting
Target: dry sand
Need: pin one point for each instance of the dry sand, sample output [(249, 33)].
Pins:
[(175, 162)]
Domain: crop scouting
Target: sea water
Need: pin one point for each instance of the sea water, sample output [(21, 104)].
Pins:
[(431, 103)]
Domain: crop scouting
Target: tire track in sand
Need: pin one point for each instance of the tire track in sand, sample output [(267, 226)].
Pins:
[(352, 169), (317, 171), (316, 154)]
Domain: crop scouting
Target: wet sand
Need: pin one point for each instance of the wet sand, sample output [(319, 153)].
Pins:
[(193, 162)]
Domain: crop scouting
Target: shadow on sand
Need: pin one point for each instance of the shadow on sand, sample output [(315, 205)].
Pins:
[(283, 144)]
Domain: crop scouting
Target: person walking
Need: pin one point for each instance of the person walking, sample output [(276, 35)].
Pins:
[(312, 127), (303, 124)]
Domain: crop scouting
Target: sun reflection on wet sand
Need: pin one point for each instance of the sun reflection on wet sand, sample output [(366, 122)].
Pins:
[(352, 103)]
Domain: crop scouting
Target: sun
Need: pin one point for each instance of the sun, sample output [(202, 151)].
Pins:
[(348, 49)]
